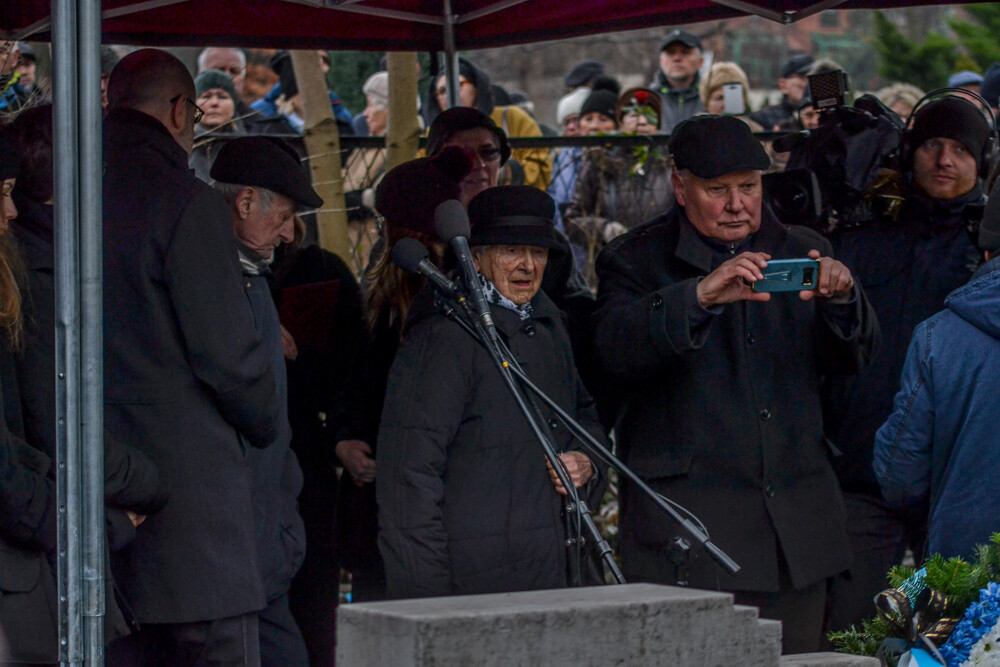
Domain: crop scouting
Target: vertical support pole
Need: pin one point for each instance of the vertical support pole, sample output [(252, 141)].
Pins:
[(450, 56), (76, 33), (68, 456), (402, 136), (90, 288)]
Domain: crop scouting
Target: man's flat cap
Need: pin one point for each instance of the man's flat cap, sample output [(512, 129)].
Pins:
[(712, 146), (682, 36), (583, 72), (799, 64), (965, 78), (266, 162)]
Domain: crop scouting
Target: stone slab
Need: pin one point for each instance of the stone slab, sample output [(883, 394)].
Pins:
[(635, 625), (828, 660)]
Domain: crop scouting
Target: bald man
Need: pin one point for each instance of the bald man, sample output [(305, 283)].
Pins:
[(187, 377)]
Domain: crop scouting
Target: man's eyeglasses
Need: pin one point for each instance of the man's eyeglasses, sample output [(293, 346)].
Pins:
[(443, 90), (489, 153), (198, 113)]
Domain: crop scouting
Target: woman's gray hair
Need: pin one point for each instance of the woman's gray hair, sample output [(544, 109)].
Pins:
[(230, 191)]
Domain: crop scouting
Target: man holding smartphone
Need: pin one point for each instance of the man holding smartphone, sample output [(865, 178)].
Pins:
[(722, 408)]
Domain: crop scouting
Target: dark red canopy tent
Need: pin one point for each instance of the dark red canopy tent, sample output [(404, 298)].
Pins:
[(397, 25)]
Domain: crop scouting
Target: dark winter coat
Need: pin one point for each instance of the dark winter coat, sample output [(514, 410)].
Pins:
[(131, 480), (907, 268), (276, 475), (465, 501), (724, 416), (940, 443), (678, 103), (28, 611), (187, 377)]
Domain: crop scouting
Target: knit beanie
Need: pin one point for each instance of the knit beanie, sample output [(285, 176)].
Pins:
[(951, 117), (571, 104), (377, 88), (601, 101), (211, 79)]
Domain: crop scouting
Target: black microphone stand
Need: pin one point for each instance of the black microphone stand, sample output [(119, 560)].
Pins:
[(511, 371), (577, 512)]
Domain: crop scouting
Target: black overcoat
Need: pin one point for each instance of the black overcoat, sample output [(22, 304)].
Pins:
[(28, 612), (187, 377), (725, 417), (465, 501)]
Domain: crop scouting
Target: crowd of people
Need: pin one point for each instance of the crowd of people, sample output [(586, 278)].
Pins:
[(818, 434)]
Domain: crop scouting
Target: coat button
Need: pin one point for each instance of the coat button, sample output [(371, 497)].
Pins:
[(765, 414), (553, 424), (657, 301), (750, 338), (769, 490), (529, 330)]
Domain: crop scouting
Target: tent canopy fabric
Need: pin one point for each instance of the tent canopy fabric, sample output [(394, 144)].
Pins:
[(397, 25)]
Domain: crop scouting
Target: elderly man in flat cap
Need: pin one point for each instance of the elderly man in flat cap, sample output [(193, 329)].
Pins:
[(721, 383), (263, 182)]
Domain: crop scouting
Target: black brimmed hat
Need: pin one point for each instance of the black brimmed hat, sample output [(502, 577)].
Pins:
[(513, 215), (265, 162), (459, 119), (408, 194), (712, 146), (680, 36)]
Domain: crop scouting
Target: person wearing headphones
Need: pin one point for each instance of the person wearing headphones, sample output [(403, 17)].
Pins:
[(907, 266), (939, 445)]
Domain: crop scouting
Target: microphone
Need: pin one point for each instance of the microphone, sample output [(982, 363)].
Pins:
[(787, 142), (411, 256), (452, 224)]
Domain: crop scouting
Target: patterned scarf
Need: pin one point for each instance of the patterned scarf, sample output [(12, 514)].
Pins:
[(494, 297)]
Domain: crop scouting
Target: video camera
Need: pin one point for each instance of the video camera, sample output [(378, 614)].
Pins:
[(843, 173)]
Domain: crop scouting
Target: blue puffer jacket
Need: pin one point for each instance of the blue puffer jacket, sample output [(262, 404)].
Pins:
[(941, 439)]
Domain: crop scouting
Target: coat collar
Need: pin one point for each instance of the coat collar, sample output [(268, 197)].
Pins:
[(126, 130), (694, 250)]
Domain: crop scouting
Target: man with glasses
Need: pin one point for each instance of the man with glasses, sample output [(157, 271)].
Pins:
[(187, 377)]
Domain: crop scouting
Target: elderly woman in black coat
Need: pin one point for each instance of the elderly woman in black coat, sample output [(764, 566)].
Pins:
[(467, 503)]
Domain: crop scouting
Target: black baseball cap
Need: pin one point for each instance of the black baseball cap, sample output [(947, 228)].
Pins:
[(712, 146), (799, 64), (682, 36)]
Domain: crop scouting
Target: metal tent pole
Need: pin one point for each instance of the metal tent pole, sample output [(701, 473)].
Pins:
[(450, 56), (76, 38), (91, 274), (68, 454)]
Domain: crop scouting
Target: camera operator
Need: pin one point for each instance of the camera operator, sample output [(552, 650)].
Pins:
[(907, 266), (722, 383)]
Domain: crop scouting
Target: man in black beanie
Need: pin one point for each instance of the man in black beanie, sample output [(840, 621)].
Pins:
[(908, 265), (721, 383)]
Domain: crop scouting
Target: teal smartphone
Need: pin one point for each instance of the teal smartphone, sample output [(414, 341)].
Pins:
[(788, 275)]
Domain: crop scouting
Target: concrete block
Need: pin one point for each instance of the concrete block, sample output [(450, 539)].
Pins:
[(637, 625), (828, 660)]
